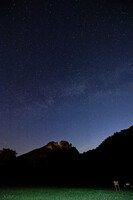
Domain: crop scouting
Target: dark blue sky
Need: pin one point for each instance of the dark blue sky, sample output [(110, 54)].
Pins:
[(66, 71)]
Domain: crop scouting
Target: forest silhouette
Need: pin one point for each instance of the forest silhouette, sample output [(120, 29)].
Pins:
[(60, 164)]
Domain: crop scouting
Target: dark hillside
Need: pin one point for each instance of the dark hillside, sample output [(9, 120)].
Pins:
[(52, 164), (61, 164), (121, 141), (112, 160)]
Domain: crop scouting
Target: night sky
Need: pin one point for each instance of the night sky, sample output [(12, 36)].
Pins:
[(66, 72)]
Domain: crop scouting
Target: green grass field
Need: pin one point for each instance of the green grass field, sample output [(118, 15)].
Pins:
[(63, 194)]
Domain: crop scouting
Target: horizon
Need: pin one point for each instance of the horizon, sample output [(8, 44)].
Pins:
[(66, 72), (69, 143)]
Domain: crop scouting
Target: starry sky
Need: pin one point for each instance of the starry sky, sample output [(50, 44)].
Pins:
[(66, 72)]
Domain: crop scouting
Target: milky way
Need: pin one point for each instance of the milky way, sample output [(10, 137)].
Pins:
[(66, 72)]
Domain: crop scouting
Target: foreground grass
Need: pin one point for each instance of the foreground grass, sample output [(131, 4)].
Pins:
[(63, 194)]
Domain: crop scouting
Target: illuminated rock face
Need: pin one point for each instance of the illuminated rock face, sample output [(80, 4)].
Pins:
[(65, 144), (55, 145), (52, 145)]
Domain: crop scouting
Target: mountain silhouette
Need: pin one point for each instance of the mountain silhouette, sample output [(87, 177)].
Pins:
[(50, 165), (112, 159), (60, 164), (53, 151)]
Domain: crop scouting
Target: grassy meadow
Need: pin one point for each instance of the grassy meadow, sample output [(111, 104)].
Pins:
[(63, 194)]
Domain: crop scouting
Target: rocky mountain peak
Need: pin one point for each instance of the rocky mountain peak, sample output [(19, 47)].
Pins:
[(62, 145)]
